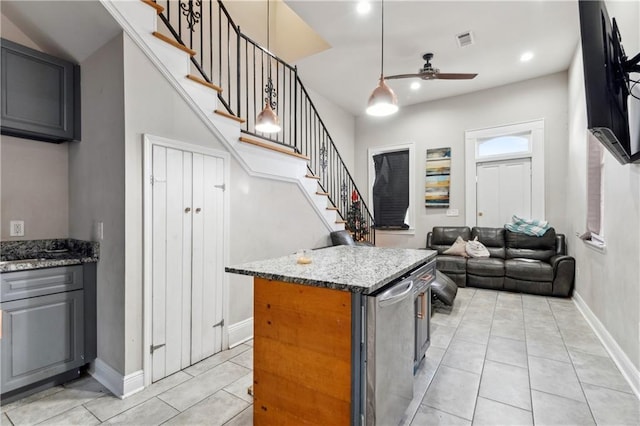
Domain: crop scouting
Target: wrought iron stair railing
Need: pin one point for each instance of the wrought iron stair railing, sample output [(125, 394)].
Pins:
[(233, 61)]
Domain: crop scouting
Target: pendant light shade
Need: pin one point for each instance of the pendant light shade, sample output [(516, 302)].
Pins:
[(267, 121), (382, 101)]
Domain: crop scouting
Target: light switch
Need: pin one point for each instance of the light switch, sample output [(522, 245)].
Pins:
[(98, 231), (452, 212)]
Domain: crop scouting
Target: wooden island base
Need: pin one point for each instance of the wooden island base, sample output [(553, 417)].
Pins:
[(302, 354)]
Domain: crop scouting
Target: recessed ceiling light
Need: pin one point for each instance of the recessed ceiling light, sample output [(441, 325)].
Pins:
[(363, 7), (526, 57), (415, 85)]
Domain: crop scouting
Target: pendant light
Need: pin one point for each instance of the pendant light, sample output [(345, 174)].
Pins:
[(267, 121), (382, 101)]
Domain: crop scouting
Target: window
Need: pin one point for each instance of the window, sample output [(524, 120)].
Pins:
[(504, 145), (595, 166), (391, 189)]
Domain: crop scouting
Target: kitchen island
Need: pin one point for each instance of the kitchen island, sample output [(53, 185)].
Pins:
[(315, 332)]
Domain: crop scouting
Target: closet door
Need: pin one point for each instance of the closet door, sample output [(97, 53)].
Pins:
[(207, 267), (187, 259), (171, 261)]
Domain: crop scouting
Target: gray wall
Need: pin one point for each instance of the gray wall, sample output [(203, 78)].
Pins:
[(35, 188), (443, 123), (96, 188), (34, 176), (607, 280)]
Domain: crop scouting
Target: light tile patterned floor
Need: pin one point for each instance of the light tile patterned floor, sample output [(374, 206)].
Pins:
[(496, 358)]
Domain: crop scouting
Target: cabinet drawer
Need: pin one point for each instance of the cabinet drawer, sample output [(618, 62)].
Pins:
[(41, 337), (39, 282)]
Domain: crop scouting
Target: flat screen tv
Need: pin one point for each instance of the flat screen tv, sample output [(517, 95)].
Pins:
[(610, 107)]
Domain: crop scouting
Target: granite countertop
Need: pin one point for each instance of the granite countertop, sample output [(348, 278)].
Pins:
[(349, 268), (37, 254)]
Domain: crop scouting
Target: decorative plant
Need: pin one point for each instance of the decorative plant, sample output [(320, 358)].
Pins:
[(356, 223)]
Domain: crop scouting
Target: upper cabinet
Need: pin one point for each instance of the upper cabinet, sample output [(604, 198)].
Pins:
[(40, 95)]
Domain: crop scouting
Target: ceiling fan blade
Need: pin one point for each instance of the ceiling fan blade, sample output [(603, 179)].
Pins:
[(392, 77), (454, 76)]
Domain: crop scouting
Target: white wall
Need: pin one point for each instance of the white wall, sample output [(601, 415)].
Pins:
[(96, 188), (443, 122), (267, 218), (340, 124), (34, 175), (607, 281)]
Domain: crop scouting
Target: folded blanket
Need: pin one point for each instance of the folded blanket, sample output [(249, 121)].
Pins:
[(532, 227)]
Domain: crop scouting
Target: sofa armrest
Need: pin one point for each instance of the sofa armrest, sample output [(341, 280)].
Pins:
[(429, 234), (564, 268)]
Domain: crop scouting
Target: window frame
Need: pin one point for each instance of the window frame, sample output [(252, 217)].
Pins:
[(411, 215), (595, 188)]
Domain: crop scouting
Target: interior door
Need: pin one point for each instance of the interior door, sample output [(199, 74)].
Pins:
[(503, 188), (187, 258), (206, 297)]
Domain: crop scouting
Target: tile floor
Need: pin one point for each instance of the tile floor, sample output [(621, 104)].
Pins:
[(496, 358)]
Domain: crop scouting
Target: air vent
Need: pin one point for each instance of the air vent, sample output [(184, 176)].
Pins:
[(465, 39)]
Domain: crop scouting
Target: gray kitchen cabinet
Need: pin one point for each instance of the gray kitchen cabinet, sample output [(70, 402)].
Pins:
[(40, 95), (43, 326)]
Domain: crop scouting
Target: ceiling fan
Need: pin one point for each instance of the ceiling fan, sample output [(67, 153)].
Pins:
[(427, 72)]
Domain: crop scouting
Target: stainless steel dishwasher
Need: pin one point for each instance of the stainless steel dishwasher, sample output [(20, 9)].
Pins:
[(389, 353)]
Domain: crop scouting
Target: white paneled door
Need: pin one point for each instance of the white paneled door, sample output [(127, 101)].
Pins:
[(503, 189), (187, 259)]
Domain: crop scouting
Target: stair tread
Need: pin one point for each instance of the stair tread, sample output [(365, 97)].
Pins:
[(174, 43), (272, 147), (341, 221), (231, 116), (154, 5), (204, 82), (322, 193), (332, 208), (312, 177)]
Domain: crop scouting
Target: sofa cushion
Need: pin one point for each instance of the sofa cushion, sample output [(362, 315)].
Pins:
[(529, 247), (444, 236), (492, 238), (454, 264), (531, 287), (528, 270), (486, 267), (495, 283)]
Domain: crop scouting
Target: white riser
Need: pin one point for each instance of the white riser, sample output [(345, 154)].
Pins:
[(139, 21)]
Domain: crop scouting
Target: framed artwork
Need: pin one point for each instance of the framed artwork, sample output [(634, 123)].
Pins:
[(436, 189)]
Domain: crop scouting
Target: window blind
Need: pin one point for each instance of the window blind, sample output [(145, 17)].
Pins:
[(391, 189)]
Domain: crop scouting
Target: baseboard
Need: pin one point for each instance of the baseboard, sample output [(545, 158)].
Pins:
[(119, 385), (626, 367), (240, 332)]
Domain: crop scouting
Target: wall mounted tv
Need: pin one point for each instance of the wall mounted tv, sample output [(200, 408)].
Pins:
[(613, 106)]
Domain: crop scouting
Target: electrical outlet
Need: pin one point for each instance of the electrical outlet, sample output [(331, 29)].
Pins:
[(452, 212), (16, 228)]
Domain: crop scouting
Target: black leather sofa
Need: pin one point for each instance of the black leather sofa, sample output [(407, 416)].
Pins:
[(517, 262)]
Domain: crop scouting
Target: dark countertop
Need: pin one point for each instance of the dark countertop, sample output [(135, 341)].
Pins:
[(348, 268), (37, 254)]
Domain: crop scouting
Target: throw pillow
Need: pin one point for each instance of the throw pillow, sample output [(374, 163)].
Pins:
[(476, 249), (458, 248)]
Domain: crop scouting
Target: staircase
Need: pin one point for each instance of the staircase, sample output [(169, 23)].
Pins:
[(222, 74)]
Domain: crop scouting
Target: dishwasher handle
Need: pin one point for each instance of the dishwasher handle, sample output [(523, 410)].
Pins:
[(396, 293)]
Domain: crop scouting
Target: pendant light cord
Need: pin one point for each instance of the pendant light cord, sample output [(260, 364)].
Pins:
[(382, 42)]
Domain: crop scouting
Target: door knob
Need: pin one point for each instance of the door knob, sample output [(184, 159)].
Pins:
[(479, 213), (187, 210), (198, 210)]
